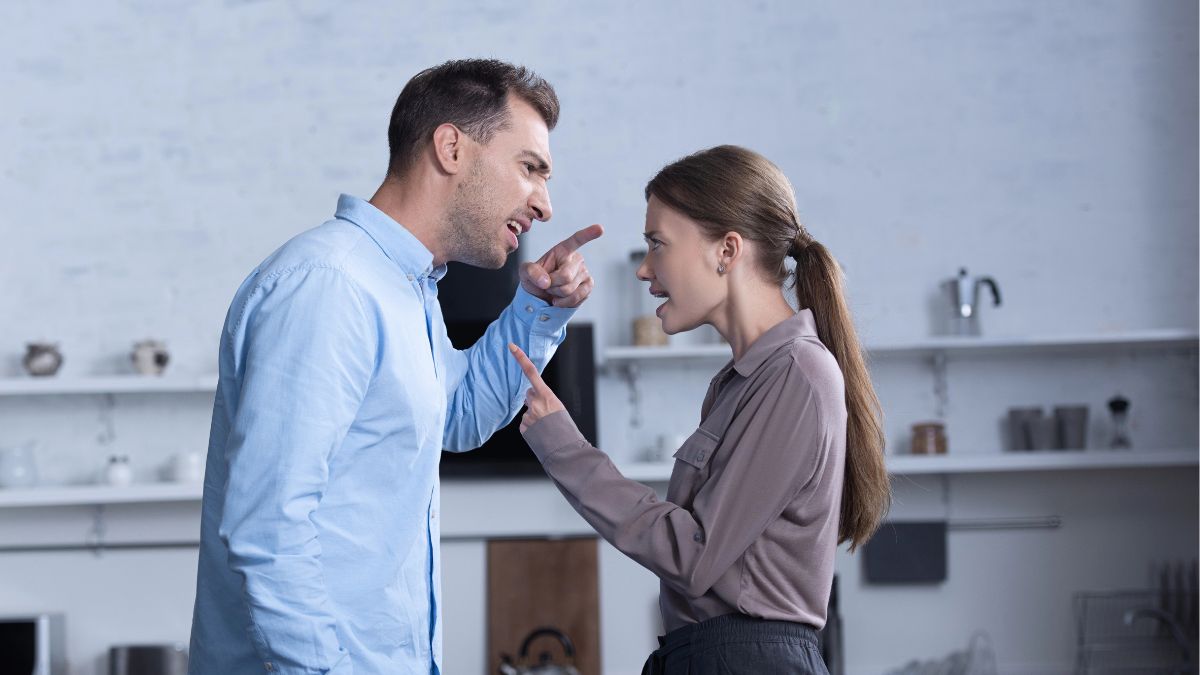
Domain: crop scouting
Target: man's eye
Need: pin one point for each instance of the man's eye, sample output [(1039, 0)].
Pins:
[(529, 168)]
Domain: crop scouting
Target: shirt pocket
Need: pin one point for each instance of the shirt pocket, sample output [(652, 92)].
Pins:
[(698, 449)]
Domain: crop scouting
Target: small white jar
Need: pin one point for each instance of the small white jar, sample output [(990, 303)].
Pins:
[(118, 472)]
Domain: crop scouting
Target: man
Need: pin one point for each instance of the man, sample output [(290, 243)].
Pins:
[(339, 388)]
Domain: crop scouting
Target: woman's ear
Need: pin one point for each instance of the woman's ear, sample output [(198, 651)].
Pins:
[(730, 251)]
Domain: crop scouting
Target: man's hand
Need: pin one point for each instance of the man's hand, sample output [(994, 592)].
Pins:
[(539, 399), (560, 277)]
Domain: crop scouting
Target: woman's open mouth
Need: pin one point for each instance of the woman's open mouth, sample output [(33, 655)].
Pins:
[(662, 295)]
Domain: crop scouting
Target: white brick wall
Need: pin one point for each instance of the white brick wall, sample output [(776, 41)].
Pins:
[(154, 151)]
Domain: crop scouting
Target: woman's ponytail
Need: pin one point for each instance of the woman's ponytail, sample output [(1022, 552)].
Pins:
[(866, 491)]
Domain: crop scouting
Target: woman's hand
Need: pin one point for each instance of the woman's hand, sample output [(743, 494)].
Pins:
[(539, 399)]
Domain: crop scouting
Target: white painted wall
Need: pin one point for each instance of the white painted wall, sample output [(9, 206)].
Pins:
[(156, 150)]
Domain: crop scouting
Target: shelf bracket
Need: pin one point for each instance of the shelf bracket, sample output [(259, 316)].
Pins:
[(95, 536), (629, 373), (108, 427), (941, 387)]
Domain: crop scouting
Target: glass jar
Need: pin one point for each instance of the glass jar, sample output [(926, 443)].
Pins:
[(645, 326), (928, 438)]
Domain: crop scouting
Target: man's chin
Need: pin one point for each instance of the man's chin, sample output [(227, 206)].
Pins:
[(490, 260)]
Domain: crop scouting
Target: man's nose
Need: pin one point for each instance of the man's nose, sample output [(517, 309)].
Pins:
[(540, 203)]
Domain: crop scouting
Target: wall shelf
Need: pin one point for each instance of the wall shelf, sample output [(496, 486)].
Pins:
[(96, 495), (1042, 460), (111, 384), (982, 346), (658, 472), (994, 462)]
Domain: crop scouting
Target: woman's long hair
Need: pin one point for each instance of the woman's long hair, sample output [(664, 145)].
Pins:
[(732, 189)]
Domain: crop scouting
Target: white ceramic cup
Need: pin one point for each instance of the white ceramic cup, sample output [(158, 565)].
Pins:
[(186, 467)]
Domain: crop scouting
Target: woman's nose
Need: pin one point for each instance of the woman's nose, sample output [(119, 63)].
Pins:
[(643, 271)]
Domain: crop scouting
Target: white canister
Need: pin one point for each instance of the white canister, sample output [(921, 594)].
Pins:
[(186, 467), (118, 472)]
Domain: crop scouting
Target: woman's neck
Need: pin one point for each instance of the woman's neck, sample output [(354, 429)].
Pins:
[(748, 313)]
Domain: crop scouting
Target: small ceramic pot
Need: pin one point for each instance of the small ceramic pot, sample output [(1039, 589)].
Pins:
[(150, 357), (42, 359)]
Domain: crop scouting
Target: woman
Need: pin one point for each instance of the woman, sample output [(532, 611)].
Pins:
[(787, 462)]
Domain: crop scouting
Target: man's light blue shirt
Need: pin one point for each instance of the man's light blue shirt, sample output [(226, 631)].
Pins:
[(338, 390)]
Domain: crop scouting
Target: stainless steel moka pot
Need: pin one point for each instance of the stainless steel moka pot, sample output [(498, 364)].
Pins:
[(963, 293)]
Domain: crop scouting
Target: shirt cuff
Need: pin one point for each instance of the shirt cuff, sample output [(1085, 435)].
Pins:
[(554, 431), (541, 316)]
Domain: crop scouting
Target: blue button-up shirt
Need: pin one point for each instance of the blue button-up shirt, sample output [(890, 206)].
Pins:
[(338, 390)]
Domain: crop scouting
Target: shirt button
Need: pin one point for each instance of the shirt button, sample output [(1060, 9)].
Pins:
[(529, 309), (410, 277), (543, 318), (697, 537), (268, 666), (433, 515)]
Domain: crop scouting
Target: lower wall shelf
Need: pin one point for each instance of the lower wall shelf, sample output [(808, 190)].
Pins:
[(994, 462), (660, 472)]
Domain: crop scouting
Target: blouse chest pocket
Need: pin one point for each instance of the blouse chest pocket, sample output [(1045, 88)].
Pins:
[(698, 449)]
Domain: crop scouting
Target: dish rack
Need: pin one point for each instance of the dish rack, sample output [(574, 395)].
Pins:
[(1136, 633)]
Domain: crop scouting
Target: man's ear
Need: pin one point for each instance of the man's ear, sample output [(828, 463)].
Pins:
[(449, 148)]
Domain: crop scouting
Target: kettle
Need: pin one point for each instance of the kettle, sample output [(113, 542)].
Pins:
[(963, 293), (546, 665)]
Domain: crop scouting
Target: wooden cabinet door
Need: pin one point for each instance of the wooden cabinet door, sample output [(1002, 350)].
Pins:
[(535, 583)]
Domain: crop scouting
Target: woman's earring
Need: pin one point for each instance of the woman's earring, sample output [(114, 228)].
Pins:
[(720, 269)]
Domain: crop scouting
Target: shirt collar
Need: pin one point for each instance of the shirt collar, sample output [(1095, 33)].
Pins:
[(801, 324), (397, 242)]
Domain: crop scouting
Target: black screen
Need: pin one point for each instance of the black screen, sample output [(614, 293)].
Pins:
[(471, 298), (18, 645)]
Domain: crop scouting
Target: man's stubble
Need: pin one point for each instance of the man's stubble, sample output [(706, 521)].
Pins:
[(469, 236)]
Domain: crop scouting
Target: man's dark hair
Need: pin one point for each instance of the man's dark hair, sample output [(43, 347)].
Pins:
[(471, 94)]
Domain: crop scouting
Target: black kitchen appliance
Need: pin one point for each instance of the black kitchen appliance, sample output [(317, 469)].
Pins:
[(472, 298), (33, 644)]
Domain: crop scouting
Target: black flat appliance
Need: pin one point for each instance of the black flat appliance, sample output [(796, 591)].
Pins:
[(471, 298)]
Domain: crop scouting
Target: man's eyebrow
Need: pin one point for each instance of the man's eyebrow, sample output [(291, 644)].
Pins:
[(541, 164)]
